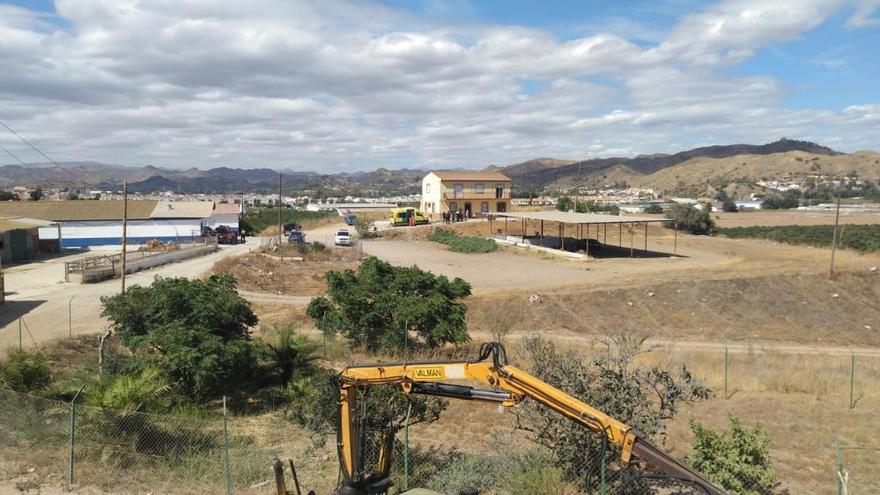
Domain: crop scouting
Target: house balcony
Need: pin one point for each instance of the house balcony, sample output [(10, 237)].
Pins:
[(473, 196)]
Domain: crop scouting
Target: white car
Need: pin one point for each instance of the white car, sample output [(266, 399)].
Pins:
[(343, 238)]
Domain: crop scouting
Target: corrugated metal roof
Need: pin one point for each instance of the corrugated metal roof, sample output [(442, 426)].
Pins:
[(183, 209), (227, 208), (571, 217), (487, 176), (14, 223), (81, 209)]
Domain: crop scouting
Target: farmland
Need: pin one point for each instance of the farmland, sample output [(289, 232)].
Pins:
[(865, 238)]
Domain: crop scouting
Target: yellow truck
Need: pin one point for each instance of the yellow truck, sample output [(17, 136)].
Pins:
[(406, 216)]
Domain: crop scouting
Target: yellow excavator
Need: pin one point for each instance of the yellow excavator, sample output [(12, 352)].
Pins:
[(507, 387)]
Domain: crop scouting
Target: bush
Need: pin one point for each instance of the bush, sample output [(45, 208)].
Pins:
[(25, 371), (291, 358), (488, 473), (729, 206), (654, 209), (365, 228), (376, 306), (865, 238), (462, 244), (738, 458), (644, 398), (693, 220), (195, 331)]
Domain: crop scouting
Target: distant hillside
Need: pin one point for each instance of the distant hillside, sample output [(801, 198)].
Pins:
[(731, 163), (542, 176)]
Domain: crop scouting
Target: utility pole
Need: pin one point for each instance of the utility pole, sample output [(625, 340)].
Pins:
[(834, 237), (124, 229), (280, 226)]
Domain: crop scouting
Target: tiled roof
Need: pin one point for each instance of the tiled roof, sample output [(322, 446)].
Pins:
[(487, 176)]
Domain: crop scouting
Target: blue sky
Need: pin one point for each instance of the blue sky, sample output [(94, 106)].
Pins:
[(348, 85)]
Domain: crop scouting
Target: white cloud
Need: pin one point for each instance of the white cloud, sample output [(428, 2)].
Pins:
[(339, 83)]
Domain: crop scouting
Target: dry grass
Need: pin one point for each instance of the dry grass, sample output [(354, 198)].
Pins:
[(802, 309), (264, 273)]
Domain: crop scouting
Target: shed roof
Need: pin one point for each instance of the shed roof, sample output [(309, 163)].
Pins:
[(183, 209), (571, 217), (220, 208), (15, 223), (457, 175), (80, 209)]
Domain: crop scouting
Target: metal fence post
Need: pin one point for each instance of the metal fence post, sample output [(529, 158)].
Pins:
[(226, 450), (725, 369), (72, 442), (839, 474), (19, 333), (852, 378), (406, 448)]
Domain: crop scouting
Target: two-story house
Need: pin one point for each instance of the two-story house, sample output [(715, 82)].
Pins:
[(474, 192)]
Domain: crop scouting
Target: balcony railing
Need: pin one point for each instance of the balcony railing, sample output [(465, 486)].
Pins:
[(486, 195)]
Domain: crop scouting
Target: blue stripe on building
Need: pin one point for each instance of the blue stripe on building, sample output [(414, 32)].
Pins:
[(117, 241)]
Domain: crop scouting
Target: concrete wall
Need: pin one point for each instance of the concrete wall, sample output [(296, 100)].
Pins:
[(136, 265), (89, 233)]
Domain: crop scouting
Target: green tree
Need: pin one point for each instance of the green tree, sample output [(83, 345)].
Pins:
[(692, 219), (565, 203), (72, 195), (364, 227), (729, 206), (195, 331), (6, 196), (36, 194), (371, 306), (654, 208), (645, 398), (738, 458)]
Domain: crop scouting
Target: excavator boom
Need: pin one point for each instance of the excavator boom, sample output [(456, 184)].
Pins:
[(509, 385)]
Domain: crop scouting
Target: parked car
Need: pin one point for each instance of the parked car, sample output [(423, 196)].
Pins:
[(290, 227), (351, 219), (343, 238), (296, 236)]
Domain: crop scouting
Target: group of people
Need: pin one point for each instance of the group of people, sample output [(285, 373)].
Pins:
[(453, 216)]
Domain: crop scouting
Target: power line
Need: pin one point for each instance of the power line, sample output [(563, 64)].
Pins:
[(25, 141), (12, 155)]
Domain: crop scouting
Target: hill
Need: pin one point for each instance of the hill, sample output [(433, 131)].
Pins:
[(598, 169)]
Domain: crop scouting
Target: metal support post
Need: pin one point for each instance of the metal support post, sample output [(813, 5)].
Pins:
[(72, 442), (726, 352), (852, 378), (226, 450)]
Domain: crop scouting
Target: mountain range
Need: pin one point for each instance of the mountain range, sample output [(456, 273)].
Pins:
[(785, 157)]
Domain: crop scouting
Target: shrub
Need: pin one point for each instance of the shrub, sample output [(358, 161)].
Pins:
[(292, 357), (371, 306), (644, 398), (365, 228), (25, 371), (654, 208), (195, 331), (531, 474), (259, 219), (693, 220), (462, 244), (729, 206), (738, 458), (864, 238)]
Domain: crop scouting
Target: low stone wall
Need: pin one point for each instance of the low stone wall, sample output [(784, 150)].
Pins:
[(92, 275)]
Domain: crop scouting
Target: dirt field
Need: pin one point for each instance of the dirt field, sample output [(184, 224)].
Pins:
[(792, 217)]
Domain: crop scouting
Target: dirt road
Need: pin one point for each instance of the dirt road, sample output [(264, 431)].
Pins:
[(38, 294)]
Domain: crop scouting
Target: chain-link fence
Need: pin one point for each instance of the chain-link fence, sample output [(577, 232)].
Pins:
[(132, 452)]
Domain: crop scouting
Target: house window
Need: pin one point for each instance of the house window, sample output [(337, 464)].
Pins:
[(499, 190), (484, 207), (501, 207), (479, 188), (427, 188), (459, 190)]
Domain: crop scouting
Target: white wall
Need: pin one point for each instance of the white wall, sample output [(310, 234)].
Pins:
[(226, 219), (109, 232)]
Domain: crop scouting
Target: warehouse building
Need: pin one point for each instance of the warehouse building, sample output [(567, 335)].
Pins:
[(20, 239), (86, 223)]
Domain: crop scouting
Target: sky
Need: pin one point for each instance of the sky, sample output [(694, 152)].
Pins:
[(348, 85)]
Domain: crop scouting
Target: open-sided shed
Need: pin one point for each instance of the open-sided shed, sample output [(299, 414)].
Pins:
[(580, 226)]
